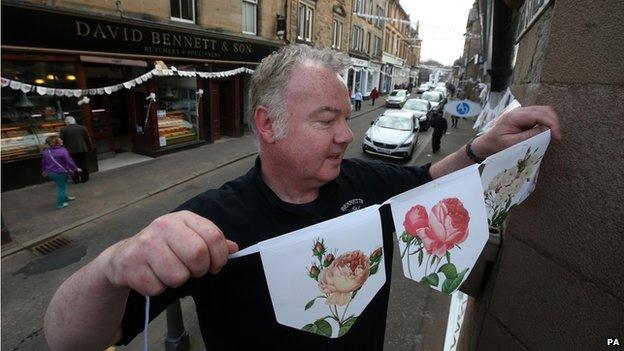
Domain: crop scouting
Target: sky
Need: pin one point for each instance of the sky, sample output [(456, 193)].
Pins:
[(442, 23)]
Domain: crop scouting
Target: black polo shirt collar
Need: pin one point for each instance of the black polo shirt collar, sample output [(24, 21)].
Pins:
[(311, 210)]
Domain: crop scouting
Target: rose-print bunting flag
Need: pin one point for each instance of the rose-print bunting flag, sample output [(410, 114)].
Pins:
[(441, 229), (322, 277), (510, 176)]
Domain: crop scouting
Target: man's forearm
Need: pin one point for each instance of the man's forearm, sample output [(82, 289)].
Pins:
[(86, 311), (458, 159), (451, 163)]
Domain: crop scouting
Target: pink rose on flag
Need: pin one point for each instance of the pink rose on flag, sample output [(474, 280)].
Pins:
[(448, 226), (344, 275), (415, 219)]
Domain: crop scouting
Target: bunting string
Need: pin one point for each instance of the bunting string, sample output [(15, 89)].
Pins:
[(156, 72)]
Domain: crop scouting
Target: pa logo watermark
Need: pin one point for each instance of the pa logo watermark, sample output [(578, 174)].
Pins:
[(612, 342)]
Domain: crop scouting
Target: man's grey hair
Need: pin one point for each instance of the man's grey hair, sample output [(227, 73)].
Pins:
[(70, 120), (271, 77)]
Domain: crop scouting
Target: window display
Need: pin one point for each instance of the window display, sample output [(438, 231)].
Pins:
[(28, 118), (177, 110), (19, 141)]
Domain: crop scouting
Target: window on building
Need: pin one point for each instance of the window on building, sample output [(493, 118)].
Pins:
[(377, 47), (368, 42), (358, 38), (183, 10), (357, 6), (336, 34), (250, 11), (387, 42), (380, 13), (370, 11), (306, 21)]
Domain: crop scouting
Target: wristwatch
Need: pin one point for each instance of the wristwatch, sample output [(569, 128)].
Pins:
[(471, 153)]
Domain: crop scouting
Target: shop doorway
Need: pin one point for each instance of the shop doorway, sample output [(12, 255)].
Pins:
[(111, 124), (111, 114), (225, 106)]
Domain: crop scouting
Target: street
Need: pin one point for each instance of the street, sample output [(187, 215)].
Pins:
[(416, 315)]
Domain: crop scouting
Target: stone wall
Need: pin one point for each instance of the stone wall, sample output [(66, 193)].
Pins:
[(559, 282)]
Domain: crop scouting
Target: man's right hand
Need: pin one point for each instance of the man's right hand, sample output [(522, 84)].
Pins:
[(167, 253)]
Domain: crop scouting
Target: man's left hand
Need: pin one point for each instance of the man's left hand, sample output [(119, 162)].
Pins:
[(515, 126)]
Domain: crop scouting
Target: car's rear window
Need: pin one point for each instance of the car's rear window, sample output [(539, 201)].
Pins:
[(394, 122)]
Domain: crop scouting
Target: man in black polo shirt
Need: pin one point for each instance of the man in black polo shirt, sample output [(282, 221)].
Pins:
[(300, 109)]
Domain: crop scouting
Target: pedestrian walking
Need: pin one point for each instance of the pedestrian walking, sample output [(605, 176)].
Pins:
[(374, 94), (56, 165), (451, 89), (300, 116), (454, 120), (358, 100), (439, 125), (76, 140)]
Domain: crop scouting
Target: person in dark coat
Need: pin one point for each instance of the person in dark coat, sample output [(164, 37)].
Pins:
[(374, 94), (439, 125), (77, 141)]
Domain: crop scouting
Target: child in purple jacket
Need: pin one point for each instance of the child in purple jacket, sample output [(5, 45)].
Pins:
[(56, 164)]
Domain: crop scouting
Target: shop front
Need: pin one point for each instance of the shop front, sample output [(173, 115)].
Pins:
[(374, 71), (102, 72)]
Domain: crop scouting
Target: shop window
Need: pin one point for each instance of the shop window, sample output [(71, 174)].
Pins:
[(336, 34), (250, 22), (183, 10), (29, 118), (177, 110), (305, 23)]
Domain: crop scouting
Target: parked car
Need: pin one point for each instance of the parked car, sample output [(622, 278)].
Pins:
[(441, 90), (434, 97), (393, 134), (424, 87), (397, 98), (422, 111)]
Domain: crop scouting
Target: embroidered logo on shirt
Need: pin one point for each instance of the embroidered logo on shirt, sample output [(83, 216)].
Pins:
[(352, 205)]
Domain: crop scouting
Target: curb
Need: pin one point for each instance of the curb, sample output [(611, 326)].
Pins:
[(13, 250), (28, 244)]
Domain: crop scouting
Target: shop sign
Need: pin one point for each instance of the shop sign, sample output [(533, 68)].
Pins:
[(375, 67), (390, 59), (54, 30), (358, 62)]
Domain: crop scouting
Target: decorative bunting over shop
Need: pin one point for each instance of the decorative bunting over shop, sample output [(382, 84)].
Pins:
[(156, 72)]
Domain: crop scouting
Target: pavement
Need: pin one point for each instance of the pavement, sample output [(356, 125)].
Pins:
[(31, 217)]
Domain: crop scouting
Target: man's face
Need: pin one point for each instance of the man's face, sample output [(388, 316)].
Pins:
[(317, 133)]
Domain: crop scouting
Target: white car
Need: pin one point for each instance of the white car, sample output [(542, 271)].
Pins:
[(397, 98), (434, 97), (441, 90), (424, 87), (393, 134), (421, 110)]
